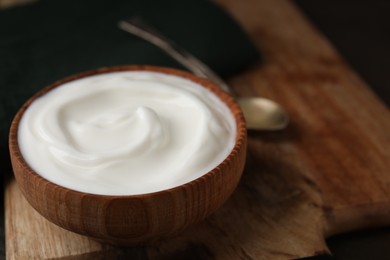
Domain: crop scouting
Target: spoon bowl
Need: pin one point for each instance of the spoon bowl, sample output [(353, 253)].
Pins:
[(263, 114)]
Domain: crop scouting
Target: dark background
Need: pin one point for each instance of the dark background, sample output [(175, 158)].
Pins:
[(360, 31)]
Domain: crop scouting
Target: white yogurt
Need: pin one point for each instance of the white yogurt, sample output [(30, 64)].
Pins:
[(126, 133)]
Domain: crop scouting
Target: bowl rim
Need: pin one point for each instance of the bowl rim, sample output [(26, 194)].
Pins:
[(228, 100)]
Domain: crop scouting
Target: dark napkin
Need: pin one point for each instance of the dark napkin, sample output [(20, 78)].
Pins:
[(51, 39)]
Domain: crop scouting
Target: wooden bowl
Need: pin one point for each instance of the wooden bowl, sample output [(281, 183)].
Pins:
[(133, 219)]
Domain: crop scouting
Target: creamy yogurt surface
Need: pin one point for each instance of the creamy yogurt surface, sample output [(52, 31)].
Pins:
[(126, 133)]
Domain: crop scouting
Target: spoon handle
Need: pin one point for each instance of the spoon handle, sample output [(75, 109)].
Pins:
[(260, 113), (140, 28)]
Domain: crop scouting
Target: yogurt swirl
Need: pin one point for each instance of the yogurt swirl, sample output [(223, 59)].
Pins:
[(126, 133)]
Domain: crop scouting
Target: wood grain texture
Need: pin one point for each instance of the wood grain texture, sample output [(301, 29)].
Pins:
[(328, 172), (339, 131), (136, 219)]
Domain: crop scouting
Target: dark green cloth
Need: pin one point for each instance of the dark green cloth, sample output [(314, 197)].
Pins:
[(51, 39)]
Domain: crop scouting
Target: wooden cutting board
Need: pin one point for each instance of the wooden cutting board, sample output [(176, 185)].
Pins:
[(328, 172)]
